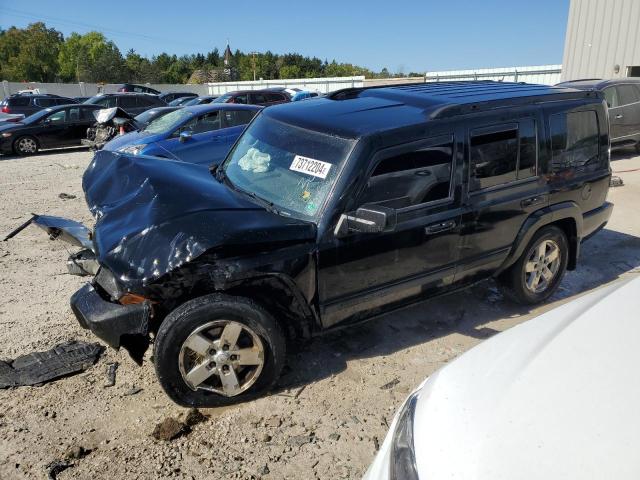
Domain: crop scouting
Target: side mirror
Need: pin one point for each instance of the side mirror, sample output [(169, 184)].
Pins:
[(186, 135), (366, 219)]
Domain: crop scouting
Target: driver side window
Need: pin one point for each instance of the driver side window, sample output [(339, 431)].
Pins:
[(57, 117), (418, 176)]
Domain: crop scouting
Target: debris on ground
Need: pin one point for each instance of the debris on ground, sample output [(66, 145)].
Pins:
[(56, 467), (616, 182), (36, 368), (132, 391), (299, 440), (112, 367), (194, 416), (390, 384), (170, 428), (66, 196), (76, 452)]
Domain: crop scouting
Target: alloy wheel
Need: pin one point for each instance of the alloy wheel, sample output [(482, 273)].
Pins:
[(221, 356), (27, 145), (542, 266)]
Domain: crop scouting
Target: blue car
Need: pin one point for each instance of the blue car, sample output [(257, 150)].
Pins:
[(201, 134)]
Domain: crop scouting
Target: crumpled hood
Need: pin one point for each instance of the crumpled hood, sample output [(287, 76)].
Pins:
[(554, 397), (152, 215), (131, 138)]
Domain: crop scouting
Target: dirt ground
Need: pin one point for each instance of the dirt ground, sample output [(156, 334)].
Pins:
[(332, 407)]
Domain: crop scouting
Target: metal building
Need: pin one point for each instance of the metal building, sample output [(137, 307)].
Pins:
[(603, 39)]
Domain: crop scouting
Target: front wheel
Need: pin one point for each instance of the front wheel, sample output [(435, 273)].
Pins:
[(25, 146), (218, 350), (538, 272)]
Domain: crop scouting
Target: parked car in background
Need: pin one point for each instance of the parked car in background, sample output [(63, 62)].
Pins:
[(623, 99), (131, 87), (204, 100), (132, 103), (554, 397), (303, 95), (61, 126), (10, 117), (201, 134), (81, 99), (145, 118), (171, 96), (336, 210), (254, 97), (30, 103), (179, 102)]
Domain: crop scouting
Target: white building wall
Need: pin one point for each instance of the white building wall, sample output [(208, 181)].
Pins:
[(541, 74), (602, 39)]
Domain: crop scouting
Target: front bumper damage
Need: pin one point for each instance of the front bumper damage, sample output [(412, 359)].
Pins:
[(118, 325)]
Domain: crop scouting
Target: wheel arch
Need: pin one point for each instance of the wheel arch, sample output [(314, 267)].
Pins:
[(566, 215)]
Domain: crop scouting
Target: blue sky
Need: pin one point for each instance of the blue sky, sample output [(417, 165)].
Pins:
[(402, 35)]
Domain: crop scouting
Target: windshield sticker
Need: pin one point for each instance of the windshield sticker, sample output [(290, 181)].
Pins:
[(255, 161), (310, 166)]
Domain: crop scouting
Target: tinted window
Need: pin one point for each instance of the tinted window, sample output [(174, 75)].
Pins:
[(494, 157), (419, 176), (259, 98), (611, 96), (87, 114), (628, 94), (240, 99), (233, 118), (45, 102), (127, 102), (275, 97), (528, 161), (74, 114), (574, 140), (19, 102), (106, 102), (63, 101)]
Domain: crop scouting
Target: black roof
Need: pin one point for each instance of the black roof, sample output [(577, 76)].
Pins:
[(597, 83), (354, 112)]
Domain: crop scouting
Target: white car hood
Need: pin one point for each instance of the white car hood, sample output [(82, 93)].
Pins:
[(557, 397)]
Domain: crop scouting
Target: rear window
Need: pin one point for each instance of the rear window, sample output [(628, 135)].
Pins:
[(575, 141)]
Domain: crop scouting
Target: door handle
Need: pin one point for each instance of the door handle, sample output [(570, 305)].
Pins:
[(440, 227), (528, 202), (618, 117)]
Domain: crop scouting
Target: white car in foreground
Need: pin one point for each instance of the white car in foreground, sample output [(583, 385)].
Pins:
[(557, 397)]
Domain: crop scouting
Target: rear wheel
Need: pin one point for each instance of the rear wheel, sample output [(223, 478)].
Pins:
[(218, 350), (538, 272), (25, 145)]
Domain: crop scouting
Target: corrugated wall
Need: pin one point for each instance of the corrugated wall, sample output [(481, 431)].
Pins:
[(601, 35)]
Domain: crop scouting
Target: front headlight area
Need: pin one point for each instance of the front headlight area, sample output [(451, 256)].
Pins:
[(402, 459), (108, 283), (133, 149)]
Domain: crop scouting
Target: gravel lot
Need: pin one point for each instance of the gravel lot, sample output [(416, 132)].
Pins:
[(333, 404)]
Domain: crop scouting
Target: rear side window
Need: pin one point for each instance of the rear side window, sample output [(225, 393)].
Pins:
[(275, 97), (233, 118), (628, 94), (259, 98), (574, 141), (240, 99), (19, 102), (412, 178), (127, 102), (503, 153), (45, 102)]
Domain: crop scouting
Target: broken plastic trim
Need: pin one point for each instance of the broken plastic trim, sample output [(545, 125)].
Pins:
[(59, 228)]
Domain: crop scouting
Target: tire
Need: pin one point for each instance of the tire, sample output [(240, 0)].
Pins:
[(183, 355), (519, 281), (25, 145)]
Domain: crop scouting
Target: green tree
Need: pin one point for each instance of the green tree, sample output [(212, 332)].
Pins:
[(91, 58), (30, 54)]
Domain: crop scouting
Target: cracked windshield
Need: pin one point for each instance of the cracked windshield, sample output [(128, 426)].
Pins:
[(290, 167)]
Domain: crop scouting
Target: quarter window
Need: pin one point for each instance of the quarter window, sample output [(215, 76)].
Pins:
[(611, 96), (419, 176), (574, 140)]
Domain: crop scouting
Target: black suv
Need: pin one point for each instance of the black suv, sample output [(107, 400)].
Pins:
[(28, 103), (333, 211), (132, 103), (623, 99)]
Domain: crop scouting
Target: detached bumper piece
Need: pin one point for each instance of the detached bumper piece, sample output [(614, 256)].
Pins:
[(109, 321)]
